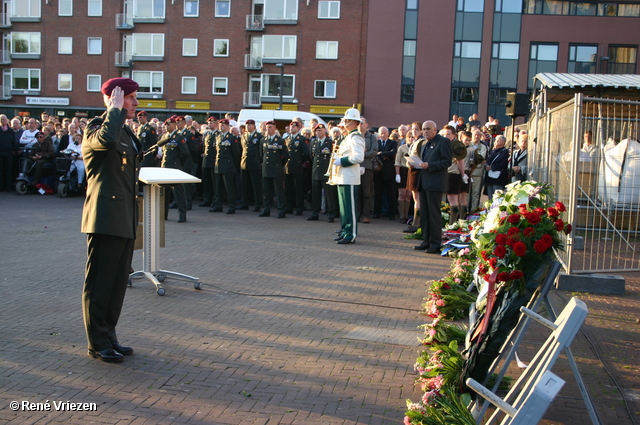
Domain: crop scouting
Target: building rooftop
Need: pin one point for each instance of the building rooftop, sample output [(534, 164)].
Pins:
[(572, 81)]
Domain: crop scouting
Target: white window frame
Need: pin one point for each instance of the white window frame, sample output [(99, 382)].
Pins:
[(328, 5), (266, 38), (151, 87), (94, 77), (335, 89), (195, 85), (215, 43), (67, 4), (33, 9), (70, 79), (267, 8), (154, 39), (149, 15), (29, 34), (96, 4), (293, 85), (228, 15), (89, 52), (226, 86), (62, 40), (323, 48), (197, 12), (185, 41), (29, 78)]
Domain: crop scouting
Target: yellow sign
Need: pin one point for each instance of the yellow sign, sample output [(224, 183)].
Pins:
[(144, 104), (328, 109), (185, 104), (275, 106)]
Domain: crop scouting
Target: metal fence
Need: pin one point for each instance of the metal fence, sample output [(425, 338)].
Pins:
[(588, 149)]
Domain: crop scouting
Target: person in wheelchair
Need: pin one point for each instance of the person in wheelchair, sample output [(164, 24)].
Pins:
[(42, 155), (77, 161)]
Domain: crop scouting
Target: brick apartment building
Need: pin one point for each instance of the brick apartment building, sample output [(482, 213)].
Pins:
[(189, 56), (398, 61)]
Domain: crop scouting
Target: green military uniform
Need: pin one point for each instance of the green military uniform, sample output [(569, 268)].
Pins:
[(298, 147), (112, 159), (320, 160), (175, 155), (208, 165), (228, 152), (148, 137), (190, 166), (274, 154), (251, 170)]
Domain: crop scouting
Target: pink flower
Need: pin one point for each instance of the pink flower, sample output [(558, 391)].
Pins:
[(407, 420), (440, 303)]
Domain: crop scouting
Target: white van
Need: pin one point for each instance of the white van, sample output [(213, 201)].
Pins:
[(282, 118)]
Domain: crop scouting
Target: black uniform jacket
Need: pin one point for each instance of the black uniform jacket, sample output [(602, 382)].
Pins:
[(175, 153), (209, 159), (112, 161), (228, 152), (251, 151), (321, 157), (148, 137), (274, 155), (298, 148)]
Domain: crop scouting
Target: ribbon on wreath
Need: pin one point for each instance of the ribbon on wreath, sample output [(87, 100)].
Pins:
[(491, 299)]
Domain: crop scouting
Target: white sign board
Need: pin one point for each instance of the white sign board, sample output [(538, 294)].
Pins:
[(55, 101)]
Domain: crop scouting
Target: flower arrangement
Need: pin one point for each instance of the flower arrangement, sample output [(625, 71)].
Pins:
[(440, 332), (447, 298)]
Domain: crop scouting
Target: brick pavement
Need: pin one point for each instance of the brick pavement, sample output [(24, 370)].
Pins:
[(264, 341)]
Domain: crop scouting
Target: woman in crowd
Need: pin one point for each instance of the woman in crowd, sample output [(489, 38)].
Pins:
[(497, 162), (402, 170)]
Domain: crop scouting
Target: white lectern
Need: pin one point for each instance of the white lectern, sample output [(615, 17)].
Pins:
[(154, 178)]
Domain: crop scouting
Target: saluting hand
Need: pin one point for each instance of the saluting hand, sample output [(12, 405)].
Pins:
[(116, 100)]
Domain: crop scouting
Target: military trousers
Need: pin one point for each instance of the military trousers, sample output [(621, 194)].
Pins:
[(331, 196), (251, 185), (294, 189), (225, 182), (207, 185), (347, 197), (269, 184)]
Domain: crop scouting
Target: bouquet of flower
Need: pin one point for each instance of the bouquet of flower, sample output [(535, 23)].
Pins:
[(447, 299), (440, 332)]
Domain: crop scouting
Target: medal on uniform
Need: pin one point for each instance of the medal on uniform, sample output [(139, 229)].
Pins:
[(124, 162)]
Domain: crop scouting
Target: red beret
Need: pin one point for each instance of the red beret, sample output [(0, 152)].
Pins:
[(295, 122), (141, 113), (224, 121), (270, 123), (127, 85), (252, 122), (180, 118), (212, 118), (170, 120), (317, 126)]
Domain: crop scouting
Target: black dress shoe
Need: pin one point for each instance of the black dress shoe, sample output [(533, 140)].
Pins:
[(330, 219), (410, 229), (345, 241), (299, 212), (243, 208), (282, 215), (109, 355), (204, 204), (231, 211), (215, 209), (288, 211), (375, 216), (338, 238), (433, 250), (313, 218), (421, 247), (257, 209), (173, 206), (122, 349), (264, 214), (182, 219)]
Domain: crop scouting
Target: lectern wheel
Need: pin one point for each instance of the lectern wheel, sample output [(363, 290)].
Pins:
[(160, 291), (161, 277), (196, 285)]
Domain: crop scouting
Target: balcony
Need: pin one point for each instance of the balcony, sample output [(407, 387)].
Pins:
[(124, 22), (122, 59), (252, 61), (5, 57), (255, 23), (251, 100), (5, 20)]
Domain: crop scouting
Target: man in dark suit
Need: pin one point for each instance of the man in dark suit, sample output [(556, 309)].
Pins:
[(436, 154), (274, 155), (385, 179), (112, 159), (228, 152), (298, 148), (251, 167), (321, 150)]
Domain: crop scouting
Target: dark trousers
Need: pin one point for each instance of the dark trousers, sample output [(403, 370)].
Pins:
[(366, 193), (207, 185), (331, 196), (105, 283), (268, 186), (190, 188), (225, 182), (347, 196), (431, 218), (390, 190), (5, 172), (39, 169), (294, 189), (251, 182), (179, 197)]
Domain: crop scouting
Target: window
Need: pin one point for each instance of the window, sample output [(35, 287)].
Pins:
[(582, 59), (328, 10), (94, 46), (220, 48), (65, 8), (325, 89), (65, 45), (271, 85), (223, 8), (543, 58), (470, 5), (148, 45), (190, 47), (95, 8), (622, 59), (505, 50), (412, 4), (149, 81), (467, 49), (584, 9), (189, 85), (148, 9), (409, 48), (25, 42), (281, 9), (509, 6), (327, 50), (191, 8), (25, 79), (629, 10), (64, 82), (279, 46), (220, 86), (94, 82), (26, 9)]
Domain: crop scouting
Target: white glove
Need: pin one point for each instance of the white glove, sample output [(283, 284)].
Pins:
[(398, 178), (465, 179), (471, 180), (337, 162), (361, 170)]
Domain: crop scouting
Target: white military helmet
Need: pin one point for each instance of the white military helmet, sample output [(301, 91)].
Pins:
[(352, 114)]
